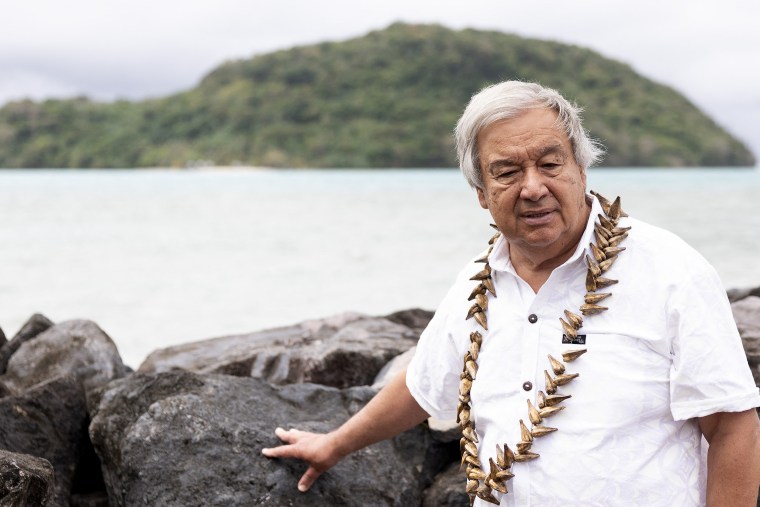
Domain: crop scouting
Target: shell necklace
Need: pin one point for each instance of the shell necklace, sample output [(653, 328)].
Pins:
[(479, 483)]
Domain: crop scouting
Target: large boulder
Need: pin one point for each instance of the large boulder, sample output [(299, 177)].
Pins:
[(48, 421), (36, 324), (180, 438), (747, 316), (76, 347), (25, 480), (448, 489), (340, 351)]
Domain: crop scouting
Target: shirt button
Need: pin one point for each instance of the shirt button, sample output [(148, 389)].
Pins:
[(527, 386), (532, 318)]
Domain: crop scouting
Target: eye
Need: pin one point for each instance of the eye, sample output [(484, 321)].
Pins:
[(506, 175), (506, 172)]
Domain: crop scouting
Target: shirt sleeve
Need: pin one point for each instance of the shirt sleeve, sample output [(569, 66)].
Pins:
[(709, 373), (433, 374)]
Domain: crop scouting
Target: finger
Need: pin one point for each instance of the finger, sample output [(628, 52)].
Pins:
[(282, 451), (282, 434), (308, 479), (290, 436)]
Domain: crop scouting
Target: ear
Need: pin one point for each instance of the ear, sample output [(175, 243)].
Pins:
[(482, 198)]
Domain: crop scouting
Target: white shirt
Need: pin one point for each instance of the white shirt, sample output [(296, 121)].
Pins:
[(665, 352)]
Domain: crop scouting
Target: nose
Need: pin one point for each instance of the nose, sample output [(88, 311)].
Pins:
[(533, 185)]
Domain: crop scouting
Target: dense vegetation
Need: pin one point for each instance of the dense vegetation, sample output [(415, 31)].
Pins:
[(388, 99)]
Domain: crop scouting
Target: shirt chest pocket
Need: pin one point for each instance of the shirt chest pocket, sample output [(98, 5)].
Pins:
[(621, 377)]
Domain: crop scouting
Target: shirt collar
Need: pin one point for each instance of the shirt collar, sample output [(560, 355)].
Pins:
[(499, 257)]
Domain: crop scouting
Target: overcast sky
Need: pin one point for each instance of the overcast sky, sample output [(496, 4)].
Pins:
[(106, 49)]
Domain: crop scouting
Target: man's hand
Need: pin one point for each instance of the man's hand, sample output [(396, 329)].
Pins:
[(319, 451), (390, 412)]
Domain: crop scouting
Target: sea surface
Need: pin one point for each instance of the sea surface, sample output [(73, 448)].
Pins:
[(160, 257)]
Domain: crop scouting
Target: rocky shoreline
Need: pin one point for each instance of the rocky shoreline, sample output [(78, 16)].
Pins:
[(79, 428)]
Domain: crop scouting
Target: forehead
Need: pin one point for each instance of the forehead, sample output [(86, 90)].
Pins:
[(529, 132)]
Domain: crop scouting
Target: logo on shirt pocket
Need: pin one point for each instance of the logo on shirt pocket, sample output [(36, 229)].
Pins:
[(578, 340)]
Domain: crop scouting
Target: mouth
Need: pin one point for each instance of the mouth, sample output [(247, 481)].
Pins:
[(536, 214), (537, 217)]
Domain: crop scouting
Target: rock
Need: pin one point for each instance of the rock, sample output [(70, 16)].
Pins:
[(416, 319), (180, 438), (747, 316), (735, 295), (76, 346), (36, 324), (49, 421), (25, 480), (3, 339), (393, 368), (447, 490), (340, 351)]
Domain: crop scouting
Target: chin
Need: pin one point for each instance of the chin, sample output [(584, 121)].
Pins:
[(540, 240)]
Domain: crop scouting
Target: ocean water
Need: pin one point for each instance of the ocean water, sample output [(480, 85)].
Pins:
[(160, 257)]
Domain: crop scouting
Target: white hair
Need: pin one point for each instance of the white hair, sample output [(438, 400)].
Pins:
[(510, 99)]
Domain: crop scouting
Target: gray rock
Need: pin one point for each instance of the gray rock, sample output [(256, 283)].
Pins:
[(25, 480), (340, 351), (393, 368), (49, 421), (76, 346), (747, 316), (447, 490), (735, 295), (36, 324), (3, 339), (416, 319), (185, 439)]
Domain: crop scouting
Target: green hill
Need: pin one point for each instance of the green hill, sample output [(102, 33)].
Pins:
[(388, 99)]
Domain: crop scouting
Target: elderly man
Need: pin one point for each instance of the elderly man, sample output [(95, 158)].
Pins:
[(607, 355)]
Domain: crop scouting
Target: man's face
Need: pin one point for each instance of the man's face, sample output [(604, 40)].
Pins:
[(533, 187)]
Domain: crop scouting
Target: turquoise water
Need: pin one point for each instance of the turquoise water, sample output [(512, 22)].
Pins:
[(161, 257)]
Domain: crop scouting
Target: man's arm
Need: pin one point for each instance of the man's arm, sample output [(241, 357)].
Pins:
[(390, 412), (733, 459)]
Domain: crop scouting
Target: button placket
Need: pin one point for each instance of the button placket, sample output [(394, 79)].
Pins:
[(531, 338), (529, 348)]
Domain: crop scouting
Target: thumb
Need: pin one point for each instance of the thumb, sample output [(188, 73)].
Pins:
[(308, 479)]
